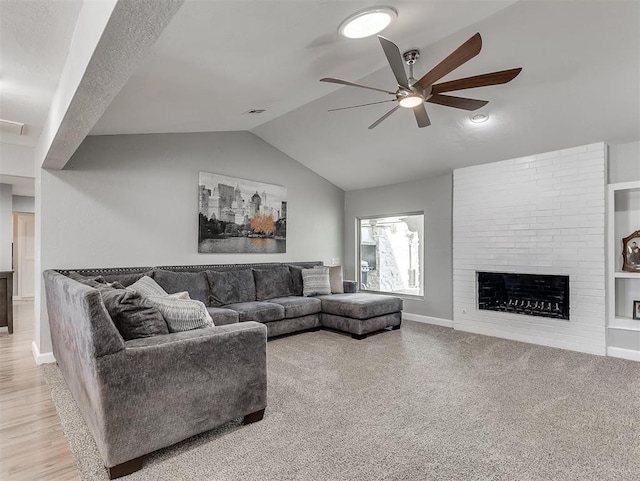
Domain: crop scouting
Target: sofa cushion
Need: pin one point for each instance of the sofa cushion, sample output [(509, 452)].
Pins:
[(335, 280), (145, 286), (222, 316), (258, 311), (272, 282), (195, 283), (181, 314), (132, 317), (296, 306), (230, 287), (315, 281), (360, 305)]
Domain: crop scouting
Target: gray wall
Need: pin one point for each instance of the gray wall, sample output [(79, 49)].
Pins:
[(132, 200), (433, 196), (23, 203)]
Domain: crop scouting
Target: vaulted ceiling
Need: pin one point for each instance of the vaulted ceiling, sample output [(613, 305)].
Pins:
[(217, 60)]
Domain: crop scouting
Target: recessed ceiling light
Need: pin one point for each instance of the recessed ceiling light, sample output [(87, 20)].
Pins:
[(410, 101), (479, 118), (367, 22)]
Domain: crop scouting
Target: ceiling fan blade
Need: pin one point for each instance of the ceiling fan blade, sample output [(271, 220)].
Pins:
[(396, 63), (484, 80), (377, 122), (421, 116), (353, 84), (361, 105), (457, 102), (462, 54)]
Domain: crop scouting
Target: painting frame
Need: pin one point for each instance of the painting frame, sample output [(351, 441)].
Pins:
[(636, 310), (631, 252), (240, 216)]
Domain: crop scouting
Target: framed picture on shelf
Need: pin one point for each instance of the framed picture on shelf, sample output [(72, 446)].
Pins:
[(636, 310), (631, 253)]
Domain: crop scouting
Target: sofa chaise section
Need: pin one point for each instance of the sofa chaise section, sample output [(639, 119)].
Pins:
[(141, 395)]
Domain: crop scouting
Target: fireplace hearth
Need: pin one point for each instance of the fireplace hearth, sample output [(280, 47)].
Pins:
[(527, 294)]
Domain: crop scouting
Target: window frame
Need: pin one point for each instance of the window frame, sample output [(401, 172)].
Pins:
[(359, 220)]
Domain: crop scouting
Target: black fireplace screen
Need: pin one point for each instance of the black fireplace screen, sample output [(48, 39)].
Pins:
[(529, 294)]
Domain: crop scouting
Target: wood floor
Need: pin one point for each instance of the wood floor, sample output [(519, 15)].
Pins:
[(32, 444)]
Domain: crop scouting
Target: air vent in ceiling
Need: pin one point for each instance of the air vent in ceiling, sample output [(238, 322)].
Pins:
[(9, 127)]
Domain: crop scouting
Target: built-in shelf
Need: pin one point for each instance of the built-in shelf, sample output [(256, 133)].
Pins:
[(623, 218), (625, 324), (626, 275)]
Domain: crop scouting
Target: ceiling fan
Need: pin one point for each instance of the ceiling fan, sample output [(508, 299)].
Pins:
[(412, 93)]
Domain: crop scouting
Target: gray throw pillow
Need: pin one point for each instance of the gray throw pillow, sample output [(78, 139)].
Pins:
[(181, 314), (231, 287), (146, 287), (131, 316), (195, 283), (296, 280), (272, 282), (94, 281), (315, 282)]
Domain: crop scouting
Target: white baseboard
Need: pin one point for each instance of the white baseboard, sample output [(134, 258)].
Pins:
[(41, 358), (629, 354), (427, 319)]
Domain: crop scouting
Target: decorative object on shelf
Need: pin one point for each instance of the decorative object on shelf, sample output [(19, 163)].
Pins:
[(636, 310), (631, 252), (240, 216)]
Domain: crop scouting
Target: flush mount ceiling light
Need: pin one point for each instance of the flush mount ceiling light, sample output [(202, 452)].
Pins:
[(367, 22), (479, 118)]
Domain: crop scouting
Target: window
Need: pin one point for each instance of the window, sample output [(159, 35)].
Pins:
[(390, 253)]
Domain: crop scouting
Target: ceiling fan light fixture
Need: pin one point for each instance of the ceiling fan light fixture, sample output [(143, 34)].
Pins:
[(367, 22), (410, 101), (479, 118)]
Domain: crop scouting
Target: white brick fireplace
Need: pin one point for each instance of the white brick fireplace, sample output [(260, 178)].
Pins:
[(543, 214)]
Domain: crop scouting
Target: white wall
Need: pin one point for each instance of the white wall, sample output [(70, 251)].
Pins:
[(6, 226), (624, 162), (16, 160), (543, 214), (133, 201), (433, 196)]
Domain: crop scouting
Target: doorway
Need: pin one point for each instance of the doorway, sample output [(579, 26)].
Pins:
[(24, 254)]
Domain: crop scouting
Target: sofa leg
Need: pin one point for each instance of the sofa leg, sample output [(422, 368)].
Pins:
[(125, 468), (253, 417), (359, 337)]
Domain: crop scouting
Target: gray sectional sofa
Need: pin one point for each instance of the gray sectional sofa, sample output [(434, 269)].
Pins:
[(143, 394)]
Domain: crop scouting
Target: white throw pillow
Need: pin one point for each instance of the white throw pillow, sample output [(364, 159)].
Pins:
[(146, 287), (335, 280), (181, 314), (315, 282)]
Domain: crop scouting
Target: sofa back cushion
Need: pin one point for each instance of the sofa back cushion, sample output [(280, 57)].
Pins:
[(231, 287), (296, 280), (272, 282), (195, 283), (132, 317)]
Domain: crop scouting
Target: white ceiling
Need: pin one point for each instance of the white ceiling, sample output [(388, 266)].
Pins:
[(218, 59), (34, 41)]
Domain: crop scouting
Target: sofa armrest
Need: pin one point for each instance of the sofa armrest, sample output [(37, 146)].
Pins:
[(163, 389), (350, 286)]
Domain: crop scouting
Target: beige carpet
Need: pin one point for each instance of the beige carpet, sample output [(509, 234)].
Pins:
[(421, 403)]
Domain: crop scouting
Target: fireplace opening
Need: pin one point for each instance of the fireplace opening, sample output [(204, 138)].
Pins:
[(529, 294)]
